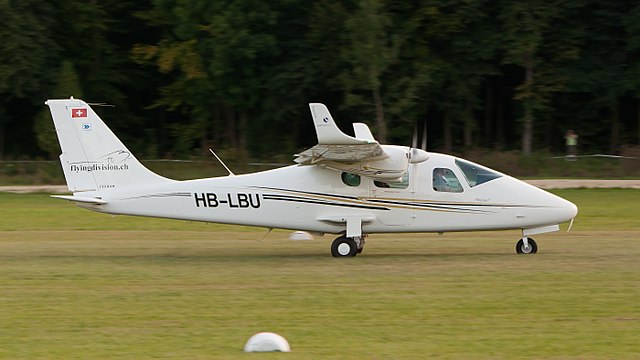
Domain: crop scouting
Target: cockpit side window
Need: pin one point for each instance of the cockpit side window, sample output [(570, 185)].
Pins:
[(476, 174), (402, 184), (350, 179), (444, 180)]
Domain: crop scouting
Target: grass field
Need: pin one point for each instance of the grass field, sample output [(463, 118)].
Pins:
[(77, 284)]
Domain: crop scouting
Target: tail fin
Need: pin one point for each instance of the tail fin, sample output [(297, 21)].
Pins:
[(327, 130), (93, 158)]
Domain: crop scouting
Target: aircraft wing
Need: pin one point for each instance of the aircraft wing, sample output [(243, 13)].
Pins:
[(361, 155), (341, 153), (336, 146)]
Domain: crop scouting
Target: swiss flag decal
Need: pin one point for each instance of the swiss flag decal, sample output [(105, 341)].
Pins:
[(79, 113)]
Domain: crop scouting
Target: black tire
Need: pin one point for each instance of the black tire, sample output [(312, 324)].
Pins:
[(339, 250), (520, 248)]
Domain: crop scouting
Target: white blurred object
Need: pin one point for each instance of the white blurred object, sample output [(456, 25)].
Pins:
[(300, 235), (267, 342)]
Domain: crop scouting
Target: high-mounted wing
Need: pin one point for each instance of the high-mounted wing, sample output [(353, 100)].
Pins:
[(334, 145), (343, 153), (361, 155)]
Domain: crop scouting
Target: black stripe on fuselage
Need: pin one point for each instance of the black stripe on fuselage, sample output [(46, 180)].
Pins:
[(320, 202), (350, 197), (407, 203), (428, 206), (162, 195)]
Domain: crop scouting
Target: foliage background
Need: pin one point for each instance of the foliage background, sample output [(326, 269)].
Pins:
[(237, 75)]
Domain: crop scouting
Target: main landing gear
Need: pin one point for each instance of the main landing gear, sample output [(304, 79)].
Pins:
[(526, 245), (347, 247)]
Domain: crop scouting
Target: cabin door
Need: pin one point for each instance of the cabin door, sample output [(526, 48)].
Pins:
[(397, 196)]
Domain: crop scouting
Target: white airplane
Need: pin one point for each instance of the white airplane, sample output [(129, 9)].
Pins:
[(351, 186)]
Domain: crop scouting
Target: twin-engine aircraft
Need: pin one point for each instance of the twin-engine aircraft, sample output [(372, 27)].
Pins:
[(351, 186)]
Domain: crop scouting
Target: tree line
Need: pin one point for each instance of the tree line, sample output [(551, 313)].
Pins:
[(237, 75)]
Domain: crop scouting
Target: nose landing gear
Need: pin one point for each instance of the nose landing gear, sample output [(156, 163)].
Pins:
[(526, 245)]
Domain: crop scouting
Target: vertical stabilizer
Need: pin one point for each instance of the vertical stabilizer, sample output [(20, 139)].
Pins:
[(327, 130), (93, 158)]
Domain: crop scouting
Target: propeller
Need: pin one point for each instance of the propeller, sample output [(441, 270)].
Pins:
[(414, 142), (424, 137), (419, 155)]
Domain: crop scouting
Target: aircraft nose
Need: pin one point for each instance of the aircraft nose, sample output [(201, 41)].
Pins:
[(550, 208), (559, 209), (569, 210), (566, 210)]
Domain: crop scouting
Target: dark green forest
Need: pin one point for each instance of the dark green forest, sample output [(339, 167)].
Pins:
[(237, 75)]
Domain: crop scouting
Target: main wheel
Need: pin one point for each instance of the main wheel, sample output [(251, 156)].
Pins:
[(344, 247), (522, 249)]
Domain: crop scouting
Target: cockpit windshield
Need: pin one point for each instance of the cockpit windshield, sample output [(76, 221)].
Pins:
[(476, 174)]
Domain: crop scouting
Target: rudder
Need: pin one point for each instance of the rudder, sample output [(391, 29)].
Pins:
[(93, 158)]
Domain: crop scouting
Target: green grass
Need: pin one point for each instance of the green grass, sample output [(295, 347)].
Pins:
[(605, 209), (77, 284)]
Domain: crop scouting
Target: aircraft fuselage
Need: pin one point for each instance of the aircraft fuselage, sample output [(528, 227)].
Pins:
[(314, 199)]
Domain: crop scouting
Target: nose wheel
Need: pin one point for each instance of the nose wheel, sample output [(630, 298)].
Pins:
[(526, 245), (347, 247)]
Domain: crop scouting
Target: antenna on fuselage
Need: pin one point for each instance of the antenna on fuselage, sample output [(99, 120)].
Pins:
[(101, 104), (225, 166)]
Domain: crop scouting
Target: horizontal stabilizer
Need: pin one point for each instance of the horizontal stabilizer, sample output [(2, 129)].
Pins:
[(86, 200)]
